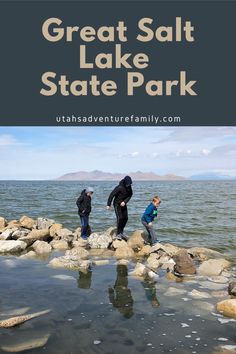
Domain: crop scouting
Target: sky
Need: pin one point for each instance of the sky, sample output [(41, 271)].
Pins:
[(49, 152)]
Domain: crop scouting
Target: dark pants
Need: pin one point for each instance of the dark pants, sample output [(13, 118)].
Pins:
[(151, 233), (122, 217), (84, 225)]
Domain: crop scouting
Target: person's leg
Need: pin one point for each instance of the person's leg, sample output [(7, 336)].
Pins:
[(118, 218), (124, 217), (84, 226), (145, 224), (152, 234)]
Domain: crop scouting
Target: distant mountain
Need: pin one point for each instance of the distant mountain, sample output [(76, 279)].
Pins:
[(211, 176), (107, 176)]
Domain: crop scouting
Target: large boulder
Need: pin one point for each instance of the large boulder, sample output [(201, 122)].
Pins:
[(13, 223), (29, 255), (119, 243), (7, 234), (227, 307), (34, 235), (65, 234), (124, 252), (80, 242), (139, 271), (12, 246), (153, 261), (232, 288), (78, 252), (77, 233), (70, 262), (60, 245), (18, 233), (3, 222), (99, 240), (42, 247), (111, 231), (44, 223), (184, 264), (54, 229), (136, 240), (202, 253), (213, 266), (27, 222), (145, 251)]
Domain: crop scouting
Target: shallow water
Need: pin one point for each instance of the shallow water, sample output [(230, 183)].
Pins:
[(107, 311)]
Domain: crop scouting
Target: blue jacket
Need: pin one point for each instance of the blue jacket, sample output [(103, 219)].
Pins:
[(150, 213)]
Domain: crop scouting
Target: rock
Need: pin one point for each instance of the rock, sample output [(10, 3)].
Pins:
[(111, 231), (218, 279), (227, 307), (13, 223), (119, 243), (170, 249), (139, 271), (99, 240), (174, 292), (44, 223), (7, 234), (153, 261), (232, 288), (65, 234), (29, 255), (30, 344), (170, 276), (60, 245), (212, 286), (54, 229), (213, 266), (22, 232), (12, 246), (3, 222), (27, 222), (199, 294), (80, 243), (41, 247), (100, 262), (202, 253), (42, 235), (145, 251), (70, 262), (168, 265), (123, 262), (77, 233), (219, 293), (124, 252), (78, 252), (184, 264), (202, 306), (101, 253), (136, 240)]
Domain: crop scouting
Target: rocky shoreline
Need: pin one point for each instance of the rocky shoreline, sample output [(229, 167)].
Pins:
[(29, 238)]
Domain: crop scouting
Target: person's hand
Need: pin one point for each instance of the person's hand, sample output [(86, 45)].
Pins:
[(108, 207), (150, 224), (122, 204)]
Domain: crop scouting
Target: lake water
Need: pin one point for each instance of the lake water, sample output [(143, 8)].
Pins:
[(105, 310)]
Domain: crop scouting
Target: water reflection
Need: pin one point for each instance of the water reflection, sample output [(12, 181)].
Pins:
[(84, 280), (120, 295), (150, 291)]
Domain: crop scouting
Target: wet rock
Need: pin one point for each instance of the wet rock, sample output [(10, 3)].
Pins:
[(119, 243), (12, 246), (227, 307), (123, 262), (15, 321), (54, 229), (168, 265), (3, 222), (232, 288), (7, 234), (199, 294), (202, 306), (219, 293), (170, 249), (30, 344), (101, 253), (212, 286), (70, 262), (41, 247), (202, 253), (213, 266), (136, 240), (65, 234), (44, 223), (153, 261), (145, 251), (22, 232), (111, 231), (184, 264), (79, 252), (60, 245), (29, 255), (77, 233), (27, 222), (218, 279), (80, 243), (124, 252), (139, 271), (174, 292), (100, 262), (99, 240), (170, 276), (35, 235)]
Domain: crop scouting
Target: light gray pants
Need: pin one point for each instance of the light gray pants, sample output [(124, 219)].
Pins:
[(150, 231)]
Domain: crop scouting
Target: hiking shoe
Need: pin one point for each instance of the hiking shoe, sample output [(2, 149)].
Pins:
[(119, 237), (125, 237)]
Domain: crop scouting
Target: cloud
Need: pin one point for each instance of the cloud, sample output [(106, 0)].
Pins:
[(7, 140)]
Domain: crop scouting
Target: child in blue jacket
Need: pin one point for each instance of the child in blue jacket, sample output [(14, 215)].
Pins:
[(148, 217)]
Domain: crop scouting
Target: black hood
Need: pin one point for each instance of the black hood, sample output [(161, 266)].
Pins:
[(127, 181)]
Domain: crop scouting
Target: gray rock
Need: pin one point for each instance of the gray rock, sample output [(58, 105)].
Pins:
[(27, 222), (44, 223), (124, 252), (99, 240), (139, 271), (65, 234), (136, 240), (153, 261), (212, 286), (7, 234), (42, 247), (12, 246), (60, 245), (29, 255), (22, 232), (70, 262), (232, 288), (29, 344), (199, 294), (213, 266), (78, 252), (174, 292), (202, 253), (3, 222)]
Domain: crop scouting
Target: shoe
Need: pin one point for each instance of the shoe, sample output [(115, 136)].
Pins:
[(119, 237), (84, 238), (125, 237)]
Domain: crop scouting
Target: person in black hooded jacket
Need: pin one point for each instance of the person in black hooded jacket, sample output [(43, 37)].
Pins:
[(121, 195), (84, 209)]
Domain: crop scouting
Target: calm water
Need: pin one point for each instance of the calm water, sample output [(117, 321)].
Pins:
[(106, 311)]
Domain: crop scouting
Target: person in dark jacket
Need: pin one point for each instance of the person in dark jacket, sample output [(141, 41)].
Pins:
[(84, 209), (148, 217), (121, 195)]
